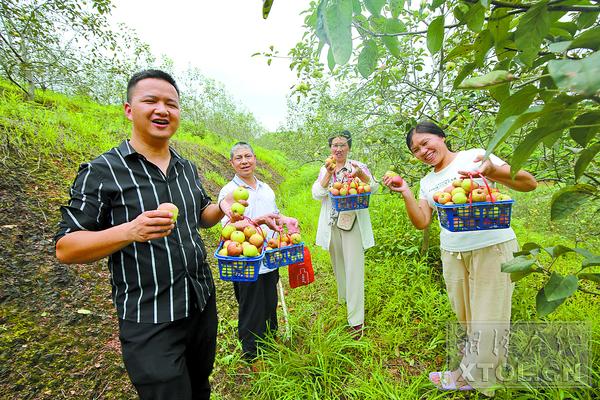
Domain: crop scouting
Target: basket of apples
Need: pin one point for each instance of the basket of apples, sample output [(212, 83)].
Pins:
[(353, 194), (284, 250), (467, 206), (240, 252)]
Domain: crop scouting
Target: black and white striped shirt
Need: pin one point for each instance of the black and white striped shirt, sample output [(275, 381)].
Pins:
[(152, 282)]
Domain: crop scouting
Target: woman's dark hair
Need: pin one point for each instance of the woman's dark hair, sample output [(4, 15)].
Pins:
[(345, 134), (146, 74), (425, 127)]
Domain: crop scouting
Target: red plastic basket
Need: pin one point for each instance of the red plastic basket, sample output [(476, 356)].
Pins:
[(239, 269), (350, 202), (476, 216), (284, 256)]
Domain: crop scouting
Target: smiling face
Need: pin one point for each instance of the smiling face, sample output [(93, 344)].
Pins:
[(340, 149), (243, 162), (429, 148), (154, 110)]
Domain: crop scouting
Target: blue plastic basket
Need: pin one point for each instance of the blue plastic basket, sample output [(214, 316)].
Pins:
[(238, 269), (285, 256), (350, 202), (476, 216)]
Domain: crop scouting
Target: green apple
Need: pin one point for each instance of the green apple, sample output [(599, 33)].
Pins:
[(227, 231), (169, 207), (459, 198), (240, 193), (237, 208), (238, 236), (296, 238), (457, 183), (249, 231), (479, 195), (223, 251), (250, 251), (457, 190), (256, 239), (469, 185)]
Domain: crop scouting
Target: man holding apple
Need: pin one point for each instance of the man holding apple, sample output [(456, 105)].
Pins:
[(141, 205), (257, 315)]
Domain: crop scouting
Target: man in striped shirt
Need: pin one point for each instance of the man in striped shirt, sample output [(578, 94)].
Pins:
[(162, 285)]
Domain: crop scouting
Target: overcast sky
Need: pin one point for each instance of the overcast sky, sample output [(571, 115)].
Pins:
[(219, 37)]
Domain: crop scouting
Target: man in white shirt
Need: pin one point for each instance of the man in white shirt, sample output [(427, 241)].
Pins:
[(257, 315)]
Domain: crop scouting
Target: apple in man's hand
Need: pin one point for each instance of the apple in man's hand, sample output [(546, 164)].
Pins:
[(171, 208)]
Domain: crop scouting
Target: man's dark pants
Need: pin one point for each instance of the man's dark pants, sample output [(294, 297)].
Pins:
[(257, 310), (172, 360)]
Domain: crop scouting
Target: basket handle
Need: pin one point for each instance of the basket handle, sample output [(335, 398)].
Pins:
[(485, 182)]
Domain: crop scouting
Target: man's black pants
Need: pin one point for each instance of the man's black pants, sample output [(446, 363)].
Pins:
[(171, 360), (257, 310)]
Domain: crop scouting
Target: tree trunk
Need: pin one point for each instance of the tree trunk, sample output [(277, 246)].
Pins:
[(26, 71)]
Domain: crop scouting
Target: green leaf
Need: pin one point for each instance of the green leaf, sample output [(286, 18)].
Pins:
[(356, 7), (475, 17), (396, 7), (517, 276), (492, 78), (559, 47), (330, 59), (320, 30), (582, 135), (581, 76), (585, 158), (558, 250), (393, 45), (499, 24), (516, 103), (528, 145), (594, 277), (374, 6), (545, 307), (528, 248), (533, 27), (587, 19), (568, 199), (435, 35), (510, 124), (500, 92), (559, 287), (436, 4), (519, 264), (338, 21), (483, 43), (394, 26), (459, 51), (589, 39), (464, 72), (367, 59), (590, 259)]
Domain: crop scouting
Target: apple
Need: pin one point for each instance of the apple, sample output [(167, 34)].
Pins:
[(449, 189), (283, 244), (256, 240), (337, 185), (459, 198), (272, 243), (436, 196), (353, 185), (237, 208), (444, 197), (227, 231), (334, 192), (249, 231), (478, 194), (457, 183), (390, 173), (250, 251), (469, 185), (268, 248), (296, 238), (490, 198), (343, 191), (238, 236), (169, 207), (226, 243), (457, 190), (352, 191), (397, 180), (367, 188), (223, 251), (360, 189), (234, 249), (503, 197), (240, 193)]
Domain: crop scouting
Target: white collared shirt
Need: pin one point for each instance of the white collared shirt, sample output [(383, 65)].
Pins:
[(260, 202)]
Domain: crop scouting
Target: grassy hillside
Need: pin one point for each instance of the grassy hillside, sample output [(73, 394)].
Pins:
[(58, 331)]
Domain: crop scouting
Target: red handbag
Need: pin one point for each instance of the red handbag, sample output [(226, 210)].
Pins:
[(301, 273)]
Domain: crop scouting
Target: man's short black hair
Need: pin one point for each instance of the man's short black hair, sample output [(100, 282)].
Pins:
[(146, 74), (344, 134)]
